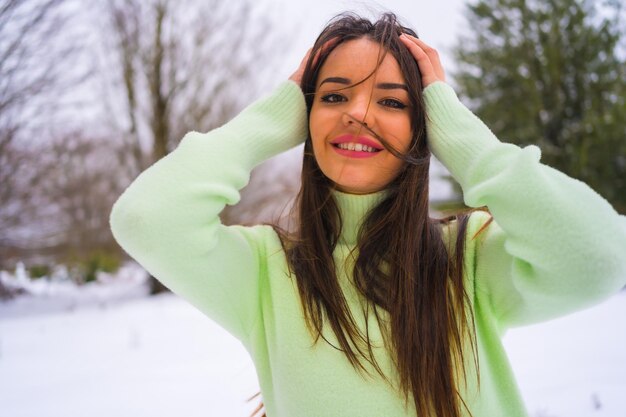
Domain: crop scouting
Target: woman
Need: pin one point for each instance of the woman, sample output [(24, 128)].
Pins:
[(371, 308)]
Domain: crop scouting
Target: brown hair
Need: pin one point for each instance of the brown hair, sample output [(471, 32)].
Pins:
[(413, 285)]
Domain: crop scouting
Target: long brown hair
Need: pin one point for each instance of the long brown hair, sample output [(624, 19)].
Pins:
[(411, 279)]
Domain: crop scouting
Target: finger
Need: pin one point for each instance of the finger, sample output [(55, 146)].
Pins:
[(434, 57), (306, 58), (327, 45), (297, 75), (432, 54), (429, 75)]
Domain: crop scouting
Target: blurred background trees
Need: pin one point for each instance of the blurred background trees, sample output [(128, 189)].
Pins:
[(92, 93), (552, 73), (182, 66), (36, 69)]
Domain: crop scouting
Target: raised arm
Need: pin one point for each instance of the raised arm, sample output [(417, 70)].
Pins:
[(168, 218), (555, 246)]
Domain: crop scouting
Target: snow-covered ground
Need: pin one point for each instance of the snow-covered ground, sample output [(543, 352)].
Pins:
[(106, 349)]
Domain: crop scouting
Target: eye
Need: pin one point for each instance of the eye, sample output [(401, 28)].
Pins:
[(333, 98), (393, 103)]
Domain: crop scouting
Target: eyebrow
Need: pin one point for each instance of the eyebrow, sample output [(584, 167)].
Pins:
[(383, 86)]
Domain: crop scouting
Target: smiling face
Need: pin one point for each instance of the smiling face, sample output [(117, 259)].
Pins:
[(346, 152)]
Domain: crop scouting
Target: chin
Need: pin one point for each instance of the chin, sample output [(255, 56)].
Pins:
[(357, 187)]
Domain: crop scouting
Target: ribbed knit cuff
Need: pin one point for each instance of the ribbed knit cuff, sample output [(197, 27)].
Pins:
[(455, 135), (267, 127), (285, 111)]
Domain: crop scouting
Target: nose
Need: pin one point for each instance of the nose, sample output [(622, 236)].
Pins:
[(359, 111)]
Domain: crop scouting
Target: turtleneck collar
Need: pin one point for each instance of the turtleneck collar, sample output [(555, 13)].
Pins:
[(354, 208)]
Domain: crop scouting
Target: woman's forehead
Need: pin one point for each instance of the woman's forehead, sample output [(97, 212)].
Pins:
[(357, 58)]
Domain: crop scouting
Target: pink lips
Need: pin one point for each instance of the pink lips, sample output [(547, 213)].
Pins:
[(356, 139)]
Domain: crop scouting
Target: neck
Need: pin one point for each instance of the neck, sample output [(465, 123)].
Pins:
[(354, 209)]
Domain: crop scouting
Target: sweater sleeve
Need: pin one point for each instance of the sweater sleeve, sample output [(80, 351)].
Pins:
[(555, 245), (168, 220)]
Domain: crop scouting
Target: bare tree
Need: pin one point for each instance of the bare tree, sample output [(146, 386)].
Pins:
[(183, 66), (180, 66), (34, 64), (69, 195)]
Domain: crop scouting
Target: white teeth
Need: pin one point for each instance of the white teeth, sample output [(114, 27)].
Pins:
[(359, 147)]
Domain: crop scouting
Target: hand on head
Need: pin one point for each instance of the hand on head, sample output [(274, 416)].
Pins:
[(297, 76), (427, 59)]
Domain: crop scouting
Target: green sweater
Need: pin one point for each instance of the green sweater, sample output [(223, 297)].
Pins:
[(555, 246)]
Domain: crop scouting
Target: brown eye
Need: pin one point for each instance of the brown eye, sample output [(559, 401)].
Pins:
[(333, 98), (393, 103)]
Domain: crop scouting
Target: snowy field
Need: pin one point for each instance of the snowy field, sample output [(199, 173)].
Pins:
[(107, 350)]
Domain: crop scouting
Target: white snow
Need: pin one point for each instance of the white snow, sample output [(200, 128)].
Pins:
[(59, 293), (102, 351), (574, 366)]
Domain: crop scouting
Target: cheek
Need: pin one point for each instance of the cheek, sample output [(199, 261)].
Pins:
[(319, 127), (408, 138), (401, 134), (315, 135)]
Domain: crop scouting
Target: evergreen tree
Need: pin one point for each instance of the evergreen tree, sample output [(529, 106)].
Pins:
[(552, 73)]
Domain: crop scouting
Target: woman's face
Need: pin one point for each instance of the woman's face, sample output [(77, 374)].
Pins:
[(348, 154)]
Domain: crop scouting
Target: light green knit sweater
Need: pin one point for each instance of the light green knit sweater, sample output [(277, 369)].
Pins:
[(555, 247)]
